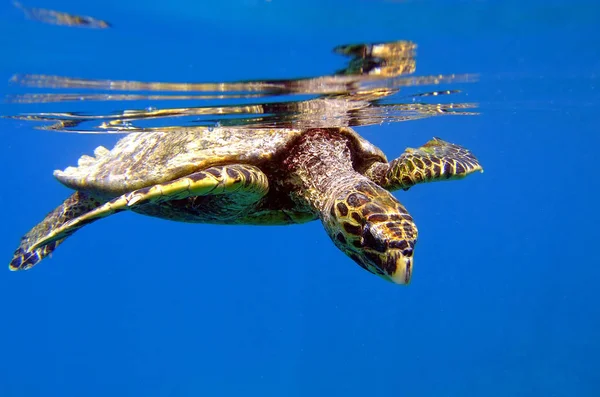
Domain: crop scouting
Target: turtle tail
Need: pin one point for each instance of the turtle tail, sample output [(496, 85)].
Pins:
[(28, 254)]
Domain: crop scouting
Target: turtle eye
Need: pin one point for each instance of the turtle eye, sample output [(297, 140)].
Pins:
[(371, 239)]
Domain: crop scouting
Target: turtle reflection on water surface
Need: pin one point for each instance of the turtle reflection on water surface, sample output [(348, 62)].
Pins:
[(258, 177)]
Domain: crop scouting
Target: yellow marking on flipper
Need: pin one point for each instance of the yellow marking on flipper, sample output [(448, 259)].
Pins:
[(213, 181), (25, 257), (436, 160)]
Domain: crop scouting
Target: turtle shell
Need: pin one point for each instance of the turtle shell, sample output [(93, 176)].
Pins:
[(144, 159)]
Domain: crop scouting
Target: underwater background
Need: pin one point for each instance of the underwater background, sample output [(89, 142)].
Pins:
[(504, 299)]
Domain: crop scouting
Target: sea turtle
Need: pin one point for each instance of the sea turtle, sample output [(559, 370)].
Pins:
[(257, 176)]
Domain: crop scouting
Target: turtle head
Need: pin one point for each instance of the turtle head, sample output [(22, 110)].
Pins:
[(375, 230)]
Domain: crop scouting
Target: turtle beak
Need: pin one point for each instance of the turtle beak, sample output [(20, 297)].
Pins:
[(388, 251), (392, 265), (403, 268)]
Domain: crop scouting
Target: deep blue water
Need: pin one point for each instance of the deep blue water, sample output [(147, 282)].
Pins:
[(504, 299)]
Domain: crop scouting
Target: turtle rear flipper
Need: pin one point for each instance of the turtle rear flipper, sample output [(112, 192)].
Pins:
[(30, 252), (244, 182)]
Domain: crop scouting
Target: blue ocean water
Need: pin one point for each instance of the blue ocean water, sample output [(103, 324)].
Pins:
[(504, 299)]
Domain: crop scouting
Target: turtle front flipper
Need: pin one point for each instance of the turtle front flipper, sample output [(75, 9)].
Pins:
[(437, 160), (248, 183), (30, 252)]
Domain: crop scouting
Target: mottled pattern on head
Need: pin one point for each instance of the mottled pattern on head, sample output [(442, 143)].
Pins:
[(374, 229)]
